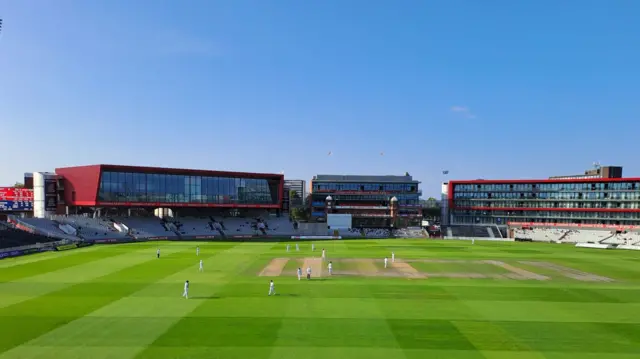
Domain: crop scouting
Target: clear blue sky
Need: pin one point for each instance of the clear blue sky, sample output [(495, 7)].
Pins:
[(485, 89)]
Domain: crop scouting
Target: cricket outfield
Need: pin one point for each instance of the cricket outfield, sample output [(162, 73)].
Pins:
[(439, 299)]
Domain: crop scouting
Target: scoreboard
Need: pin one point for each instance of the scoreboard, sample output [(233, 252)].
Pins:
[(16, 199)]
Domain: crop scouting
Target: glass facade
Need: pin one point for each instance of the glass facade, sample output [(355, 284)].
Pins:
[(475, 203), (170, 188)]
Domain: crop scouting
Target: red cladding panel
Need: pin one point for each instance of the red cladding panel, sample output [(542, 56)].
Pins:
[(83, 181)]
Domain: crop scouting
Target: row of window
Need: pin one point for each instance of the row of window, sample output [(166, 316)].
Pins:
[(365, 187), (143, 187), (548, 214), (402, 198), (502, 221), (549, 195), (366, 197), (546, 204), (586, 186)]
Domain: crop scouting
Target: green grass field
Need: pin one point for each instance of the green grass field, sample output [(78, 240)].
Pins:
[(120, 302)]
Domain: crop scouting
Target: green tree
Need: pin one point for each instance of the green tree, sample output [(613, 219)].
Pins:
[(19, 185), (299, 214)]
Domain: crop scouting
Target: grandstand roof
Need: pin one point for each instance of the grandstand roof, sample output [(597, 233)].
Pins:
[(363, 178)]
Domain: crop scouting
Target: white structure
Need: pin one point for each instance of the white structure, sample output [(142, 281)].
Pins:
[(45, 194), (444, 205), (339, 221)]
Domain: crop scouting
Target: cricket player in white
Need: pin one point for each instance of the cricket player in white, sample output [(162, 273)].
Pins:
[(299, 273), (201, 268), (297, 248), (313, 247), (308, 272), (473, 240), (385, 262), (330, 268), (158, 253), (272, 288), (197, 251), (186, 290), (393, 257), (287, 247), (323, 254)]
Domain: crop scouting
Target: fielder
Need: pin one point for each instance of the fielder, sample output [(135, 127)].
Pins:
[(393, 257), (308, 273), (201, 268), (299, 273), (297, 248), (272, 288), (473, 240), (185, 294), (287, 247), (323, 254), (313, 247), (197, 251), (158, 253), (330, 268), (385, 261)]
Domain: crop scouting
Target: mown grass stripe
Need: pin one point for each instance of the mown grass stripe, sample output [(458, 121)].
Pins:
[(232, 262), (76, 301), (50, 261), (54, 281)]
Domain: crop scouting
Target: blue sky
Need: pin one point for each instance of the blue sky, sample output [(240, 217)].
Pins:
[(485, 89)]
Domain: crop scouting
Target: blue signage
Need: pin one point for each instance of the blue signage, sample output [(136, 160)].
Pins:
[(16, 206)]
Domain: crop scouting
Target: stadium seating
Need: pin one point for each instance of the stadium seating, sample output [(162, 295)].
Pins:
[(470, 231), (192, 226), (145, 227), (91, 228), (377, 233), (625, 238), (410, 233), (563, 235), (10, 238), (49, 228)]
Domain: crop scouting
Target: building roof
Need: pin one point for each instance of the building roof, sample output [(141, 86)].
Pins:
[(364, 178)]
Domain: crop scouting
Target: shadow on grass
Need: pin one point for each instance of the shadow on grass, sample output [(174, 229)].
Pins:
[(206, 297)]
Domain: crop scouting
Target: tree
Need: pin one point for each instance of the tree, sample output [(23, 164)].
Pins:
[(431, 199), (293, 194), (19, 185), (299, 214)]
